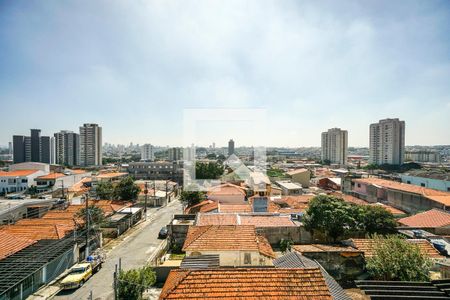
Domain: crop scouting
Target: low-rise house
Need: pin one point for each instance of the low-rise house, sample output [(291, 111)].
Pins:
[(430, 179), (368, 247), (259, 184), (344, 263), (18, 180), (301, 176), (330, 183), (407, 197), (246, 283), (294, 260), (235, 245), (435, 221), (60, 181), (289, 188), (228, 193)]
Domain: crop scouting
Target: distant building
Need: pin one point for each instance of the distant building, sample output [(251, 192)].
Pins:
[(18, 180), (10, 148), (423, 156), (334, 146), (289, 188), (67, 148), (34, 148), (387, 142), (302, 176), (175, 154), (147, 152), (91, 145), (230, 147), (157, 170)]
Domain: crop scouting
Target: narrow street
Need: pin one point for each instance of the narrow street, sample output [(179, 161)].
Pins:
[(134, 250)]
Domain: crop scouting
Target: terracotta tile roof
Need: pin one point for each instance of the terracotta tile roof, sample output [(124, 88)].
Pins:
[(323, 248), (50, 176), (354, 200), (297, 171), (39, 232), (234, 208), (79, 186), (391, 209), (216, 219), (111, 175), (17, 173), (226, 238), (368, 245), (246, 283), (429, 219), (266, 220), (204, 206), (226, 189), (69, 222), (78, 171), (11, 243), (438, 196)]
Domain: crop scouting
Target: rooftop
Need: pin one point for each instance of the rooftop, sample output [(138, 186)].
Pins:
[(435, 195), (429, 219), (297, 171), (323, 248), (111, 175), (50, 176), (255, 219), (226, 238), (289, 185), (11, 243), (368, 246), (17, 173), (246, 283)]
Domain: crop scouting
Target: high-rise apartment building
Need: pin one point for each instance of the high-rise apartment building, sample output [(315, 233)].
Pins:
[(387, 142), (175, 154), (90, 145), (335, 146), (230, 147), (147, 152), (67, 148), (34, 148)]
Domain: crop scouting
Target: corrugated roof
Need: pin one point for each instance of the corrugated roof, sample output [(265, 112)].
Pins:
[(246, 283), (296, 260)]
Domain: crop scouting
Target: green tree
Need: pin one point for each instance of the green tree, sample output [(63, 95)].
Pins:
[(132, 284), (396, 259), (126, 189), (377, 219), (329, 215), (190, 198), (208, 170), (96, 215), (104, 190), (285, 245)]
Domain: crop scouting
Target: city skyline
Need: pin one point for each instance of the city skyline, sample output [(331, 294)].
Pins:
[(312, 66)]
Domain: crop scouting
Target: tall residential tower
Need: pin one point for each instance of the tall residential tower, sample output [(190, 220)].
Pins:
[(91, 145), (334, 146), (387, 142)]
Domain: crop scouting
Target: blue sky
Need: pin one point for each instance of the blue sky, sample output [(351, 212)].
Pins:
[(133, 66)]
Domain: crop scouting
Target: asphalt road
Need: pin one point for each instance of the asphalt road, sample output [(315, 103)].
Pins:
[(134, 250)]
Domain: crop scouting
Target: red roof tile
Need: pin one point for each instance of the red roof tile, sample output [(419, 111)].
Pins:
[(226, 238), (39, 232), (216, 219), (204, 206), (51, 176), (368, 246), (17, 173), (266, 220), (234, 208), (429, 219), (246, 283), (11, 243)]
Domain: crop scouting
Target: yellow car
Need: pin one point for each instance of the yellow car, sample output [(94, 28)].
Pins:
[(78, 275)]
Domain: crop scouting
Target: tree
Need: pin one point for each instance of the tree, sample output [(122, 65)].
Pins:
[(329, 215), (396, 259), (96, 215), (132, 284), (377, 219), (208, 170), (326, 162), (126, 189), (285, 245), (191, 198), (104, 190)]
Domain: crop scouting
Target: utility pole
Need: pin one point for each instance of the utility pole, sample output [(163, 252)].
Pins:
[(87, 223), (115, 284), (167, 181), (146, 196)]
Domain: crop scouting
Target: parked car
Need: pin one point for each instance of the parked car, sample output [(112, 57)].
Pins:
[(163, 233), (81, 272)]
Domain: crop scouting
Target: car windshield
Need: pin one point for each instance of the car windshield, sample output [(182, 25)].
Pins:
[(77, 270)]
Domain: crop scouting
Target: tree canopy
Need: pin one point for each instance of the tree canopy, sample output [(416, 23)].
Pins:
[(132, 283), (210, 170), (396, 259), (96, 215), (190, 198), (335, 218), (104, 190), (126, 189)]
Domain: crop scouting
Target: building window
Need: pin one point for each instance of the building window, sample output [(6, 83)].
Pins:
[(247, 258), (448, 189), (422, 184), (359, 185), (408, 182)]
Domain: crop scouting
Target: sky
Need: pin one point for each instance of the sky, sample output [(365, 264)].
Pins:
[(135, 67)]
